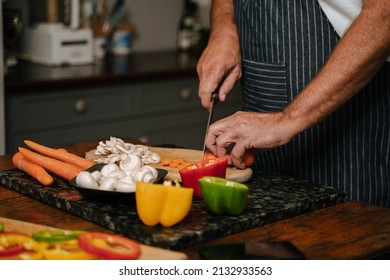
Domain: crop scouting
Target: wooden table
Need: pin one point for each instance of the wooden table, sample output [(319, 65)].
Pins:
[(350, 230)]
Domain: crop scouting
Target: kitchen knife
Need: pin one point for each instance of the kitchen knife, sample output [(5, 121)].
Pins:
[(214, 99)]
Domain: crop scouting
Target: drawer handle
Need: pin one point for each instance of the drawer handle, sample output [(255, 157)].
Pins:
[(81, 106), (186, 94)]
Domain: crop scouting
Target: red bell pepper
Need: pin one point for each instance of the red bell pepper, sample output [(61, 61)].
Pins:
[(190, 175), (108, 246), (11, 243)]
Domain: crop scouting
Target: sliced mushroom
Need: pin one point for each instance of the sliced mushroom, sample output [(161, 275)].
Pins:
[(116, 147)]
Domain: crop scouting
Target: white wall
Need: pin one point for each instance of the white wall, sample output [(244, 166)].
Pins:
[(157, 22)]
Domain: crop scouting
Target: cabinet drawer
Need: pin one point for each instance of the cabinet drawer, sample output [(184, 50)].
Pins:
[(160, 97), (177, 96), (42, 110)]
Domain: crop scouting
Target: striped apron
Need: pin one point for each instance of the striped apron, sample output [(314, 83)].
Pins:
[(284, 43)]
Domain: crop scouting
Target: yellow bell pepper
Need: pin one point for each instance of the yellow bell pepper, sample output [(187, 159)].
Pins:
[(66, 250), (159, 203), (34, 250)]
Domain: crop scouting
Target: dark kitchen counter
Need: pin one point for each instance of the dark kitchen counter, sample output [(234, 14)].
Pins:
[(108, 71)]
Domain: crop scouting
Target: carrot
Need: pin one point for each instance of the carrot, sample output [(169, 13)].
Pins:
[(34, 170), (62, 169), (175, 162), (60, 154)]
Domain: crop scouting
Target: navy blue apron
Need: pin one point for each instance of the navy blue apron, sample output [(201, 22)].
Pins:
[(284, 44)]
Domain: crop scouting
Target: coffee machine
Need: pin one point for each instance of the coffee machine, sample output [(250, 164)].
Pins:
[(53, 35)]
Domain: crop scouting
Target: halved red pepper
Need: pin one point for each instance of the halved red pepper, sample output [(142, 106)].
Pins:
[(190, 175)]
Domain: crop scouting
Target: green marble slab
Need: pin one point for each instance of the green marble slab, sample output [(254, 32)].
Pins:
[(272, 197)]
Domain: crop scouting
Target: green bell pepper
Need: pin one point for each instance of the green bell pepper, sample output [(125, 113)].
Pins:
[(56, 235), (223, 196), (1, 227)]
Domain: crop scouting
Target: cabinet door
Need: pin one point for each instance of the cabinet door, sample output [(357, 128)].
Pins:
[(168, 97), (65, 108)]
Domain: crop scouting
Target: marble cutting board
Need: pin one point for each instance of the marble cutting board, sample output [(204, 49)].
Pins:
[(272, 197)]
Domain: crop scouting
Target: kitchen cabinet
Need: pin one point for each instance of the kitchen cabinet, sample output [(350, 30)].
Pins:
[(165, 111)]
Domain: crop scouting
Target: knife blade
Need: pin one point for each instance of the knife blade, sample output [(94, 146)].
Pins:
[(214, 99)]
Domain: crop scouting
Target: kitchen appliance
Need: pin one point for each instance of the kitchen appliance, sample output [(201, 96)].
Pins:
[(54, 36)]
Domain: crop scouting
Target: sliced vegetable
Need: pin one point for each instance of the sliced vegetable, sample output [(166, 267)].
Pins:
[(249, 157), (223, 196), (62, 169), (56, 235), (190, 175), (1, 227), (60, 154), (175, 162), (34, 170), (66, 250), (11, 243), (162, 204), (108, 246), (33, 250), (208, 155), (67, 245)]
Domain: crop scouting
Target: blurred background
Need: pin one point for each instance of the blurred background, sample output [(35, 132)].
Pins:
[(60, 50)]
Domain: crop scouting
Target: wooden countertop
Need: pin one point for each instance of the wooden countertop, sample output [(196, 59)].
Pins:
[(350, 230), (27, 76)]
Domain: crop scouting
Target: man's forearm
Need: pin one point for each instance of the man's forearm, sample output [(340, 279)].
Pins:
[(222, 18), (353, 63), (220, 63)]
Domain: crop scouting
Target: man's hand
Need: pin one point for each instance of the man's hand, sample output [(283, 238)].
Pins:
[(248, 130), (220, 62)]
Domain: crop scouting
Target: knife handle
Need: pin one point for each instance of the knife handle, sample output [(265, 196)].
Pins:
[(214, 97)]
